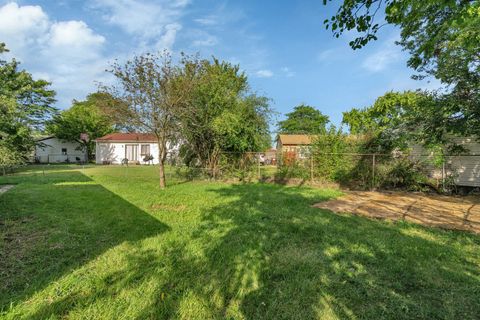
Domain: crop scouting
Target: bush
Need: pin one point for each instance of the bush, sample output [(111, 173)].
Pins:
[(404, 173), (292, 171)]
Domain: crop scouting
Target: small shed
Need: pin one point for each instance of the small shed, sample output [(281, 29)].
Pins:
[(299, 144), (50, 149)]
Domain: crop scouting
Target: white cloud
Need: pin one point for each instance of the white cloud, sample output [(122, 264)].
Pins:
[(147, 20), (169, 36), (388, 54), (265, 73), (74, 33), (207, 21), (21, 27), (287, 72), (325, 55), (67, 53), (203, 39)]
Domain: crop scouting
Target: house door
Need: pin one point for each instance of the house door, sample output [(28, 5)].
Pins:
[(131, 152)]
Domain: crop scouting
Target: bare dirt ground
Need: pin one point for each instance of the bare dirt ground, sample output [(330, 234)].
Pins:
[(449, 212)]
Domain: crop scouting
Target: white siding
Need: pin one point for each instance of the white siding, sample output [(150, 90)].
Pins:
[(50, 151), (114, 152), (466, 169)]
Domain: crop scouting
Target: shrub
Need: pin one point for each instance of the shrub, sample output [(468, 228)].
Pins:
[(295, 170), (404, 173)]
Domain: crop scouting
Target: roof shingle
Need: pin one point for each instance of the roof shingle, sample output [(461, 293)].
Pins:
[(295, 139), (128, 137)]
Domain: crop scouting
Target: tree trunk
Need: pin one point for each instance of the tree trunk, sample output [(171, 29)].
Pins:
[(161, 163)]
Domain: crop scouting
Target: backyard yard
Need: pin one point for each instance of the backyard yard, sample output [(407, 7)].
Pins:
[(107, 243)]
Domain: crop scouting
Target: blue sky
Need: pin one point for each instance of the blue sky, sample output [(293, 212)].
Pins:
[(281, 45)]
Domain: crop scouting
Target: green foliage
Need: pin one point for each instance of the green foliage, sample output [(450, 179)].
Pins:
[(443, 39), (402, 173), (328, 151), (83, 117), (219, 114), (25, 104), (292, 170), (98, 246), (9, 158), (397, 119), (348, 160), (304, 120), (436, 33)]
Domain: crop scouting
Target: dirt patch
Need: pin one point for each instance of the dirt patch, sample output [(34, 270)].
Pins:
[(4, 188), (449, 212)]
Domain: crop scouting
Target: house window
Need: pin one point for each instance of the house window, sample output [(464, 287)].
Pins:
[(145, 150), (64, 151)]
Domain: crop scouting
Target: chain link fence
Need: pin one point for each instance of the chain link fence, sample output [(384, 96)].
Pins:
[(346, 170), (384, 171)]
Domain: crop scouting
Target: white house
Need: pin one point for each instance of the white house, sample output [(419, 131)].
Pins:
[(53, 150), (115, 147)]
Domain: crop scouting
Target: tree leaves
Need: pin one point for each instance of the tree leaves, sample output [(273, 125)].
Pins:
[(25, 105), (304, 120)]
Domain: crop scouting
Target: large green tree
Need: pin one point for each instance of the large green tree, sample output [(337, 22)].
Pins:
[(220, 115), (25, 105), (83, 117), (441, 36), (398, 118), (304, 119), (443, 40)]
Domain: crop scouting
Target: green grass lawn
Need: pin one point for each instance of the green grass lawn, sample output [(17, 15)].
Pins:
[(107, 243)]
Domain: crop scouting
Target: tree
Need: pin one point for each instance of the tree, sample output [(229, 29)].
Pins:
[(220, 114), (83, 117), (432, 31), (147, 87), (395, 119), (443, 39), (25, 105), (304, 120)]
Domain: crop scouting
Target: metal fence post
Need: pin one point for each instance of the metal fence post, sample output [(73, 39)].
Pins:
[(311, 167), (373, 171), (443, 174), (258, 165)]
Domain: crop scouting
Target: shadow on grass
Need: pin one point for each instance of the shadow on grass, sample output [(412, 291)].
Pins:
[(294, 261), (264, 253), (269, 255), (51, 225)]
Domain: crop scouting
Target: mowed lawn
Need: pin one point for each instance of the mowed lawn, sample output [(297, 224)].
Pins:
[(107, 243)]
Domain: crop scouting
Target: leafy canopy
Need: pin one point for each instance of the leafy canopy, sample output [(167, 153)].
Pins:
[(304, 119), (433, 32), (220, 114), (395, 119), (83, 117), (443, 40), (25, 105)]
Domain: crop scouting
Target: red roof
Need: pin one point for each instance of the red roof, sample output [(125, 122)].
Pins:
[(128, 137)]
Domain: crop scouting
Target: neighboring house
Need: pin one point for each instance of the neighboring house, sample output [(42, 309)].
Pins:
[(271, 156), (115, 147), (297, 144), (53, 150), (465, 168)]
